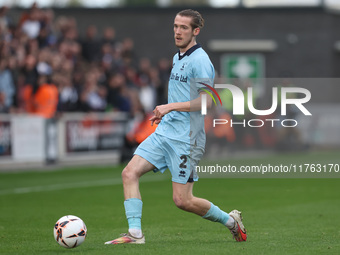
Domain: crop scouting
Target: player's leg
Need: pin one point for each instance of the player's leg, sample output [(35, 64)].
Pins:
[(133, 203), (183, 165), (147, 157), (182, 159), (131, 174), (185, 200)]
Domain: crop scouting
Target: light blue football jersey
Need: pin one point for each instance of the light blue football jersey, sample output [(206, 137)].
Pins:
[(187, 71)]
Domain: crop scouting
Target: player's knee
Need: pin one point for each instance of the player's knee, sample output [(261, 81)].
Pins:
[(128, 174), (182, 203)]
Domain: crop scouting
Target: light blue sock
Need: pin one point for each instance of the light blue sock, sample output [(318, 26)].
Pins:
[(217, 215), (133, 211)]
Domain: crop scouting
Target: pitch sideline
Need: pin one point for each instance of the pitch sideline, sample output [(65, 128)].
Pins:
[(98, 183)]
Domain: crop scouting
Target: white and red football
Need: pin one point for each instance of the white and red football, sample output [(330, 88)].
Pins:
[(70, 231)]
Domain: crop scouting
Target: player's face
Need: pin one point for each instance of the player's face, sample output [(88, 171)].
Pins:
[(185, 36)]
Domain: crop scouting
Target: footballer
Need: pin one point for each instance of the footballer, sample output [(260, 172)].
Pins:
[(179, 140)]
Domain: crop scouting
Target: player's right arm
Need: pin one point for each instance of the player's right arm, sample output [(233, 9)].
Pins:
[(189, 106)]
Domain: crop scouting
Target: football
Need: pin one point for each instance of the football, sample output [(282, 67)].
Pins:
[(70, 231)]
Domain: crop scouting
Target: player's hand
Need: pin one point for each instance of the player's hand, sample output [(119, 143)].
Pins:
[(161, 110), (155, 120)]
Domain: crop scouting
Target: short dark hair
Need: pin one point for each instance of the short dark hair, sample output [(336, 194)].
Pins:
[(197, 19)]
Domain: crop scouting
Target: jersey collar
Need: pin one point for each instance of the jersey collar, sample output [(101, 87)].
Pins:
[(189, 51)]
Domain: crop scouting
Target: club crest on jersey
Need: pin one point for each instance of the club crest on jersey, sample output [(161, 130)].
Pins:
[(183, 66)]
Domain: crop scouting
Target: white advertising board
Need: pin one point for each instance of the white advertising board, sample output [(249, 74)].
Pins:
[(28, 138)]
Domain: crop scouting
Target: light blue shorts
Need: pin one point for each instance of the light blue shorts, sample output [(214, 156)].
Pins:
[(164, 153)]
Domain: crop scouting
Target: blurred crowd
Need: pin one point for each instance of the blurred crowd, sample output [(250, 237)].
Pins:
[(47, 68)]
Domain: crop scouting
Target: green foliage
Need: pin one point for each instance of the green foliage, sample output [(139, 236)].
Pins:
[(190, 3), (132, 3), (74, 3)]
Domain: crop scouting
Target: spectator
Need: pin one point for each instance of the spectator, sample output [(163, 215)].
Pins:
[(31, 26), (45, 98), (78, 80), (42, 99), (7, 87), (43, 65), (25, 15), (118, 63), (107, 61), (47, 36), (3, 107), (157, 84), (69, 50), (127, 51), (109, 37), (4, 23), (118, 94), (30, 83), (91, 45), (164, 67), (30, 71), (66, 28), (93, 97), (14, 70), (68, 95), (147, 94), (144, 68), (131, 77)]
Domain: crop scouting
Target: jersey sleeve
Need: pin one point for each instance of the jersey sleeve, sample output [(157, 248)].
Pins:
[(203, 72)]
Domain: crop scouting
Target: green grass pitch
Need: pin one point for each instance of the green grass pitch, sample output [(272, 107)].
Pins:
[(282, 216)]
